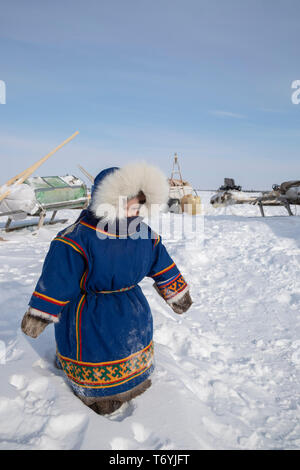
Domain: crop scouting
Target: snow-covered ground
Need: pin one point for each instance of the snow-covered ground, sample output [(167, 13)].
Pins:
[(227, 372)]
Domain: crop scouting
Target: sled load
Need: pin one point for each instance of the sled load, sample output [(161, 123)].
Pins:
[(182, 196), (285, 194), (25, 195)]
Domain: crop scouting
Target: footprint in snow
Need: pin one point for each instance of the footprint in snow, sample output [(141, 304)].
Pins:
[(125, 411), (142, 438), (32, 421)]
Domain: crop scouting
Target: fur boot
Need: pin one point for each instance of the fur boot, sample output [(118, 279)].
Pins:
[(107, 405)]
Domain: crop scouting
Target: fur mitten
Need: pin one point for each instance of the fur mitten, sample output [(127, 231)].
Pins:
[(178, 305), (183, 304), (32, 325)]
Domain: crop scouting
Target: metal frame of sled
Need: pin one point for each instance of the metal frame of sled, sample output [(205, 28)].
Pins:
[(281, 195), (42, 212), (51, 193)]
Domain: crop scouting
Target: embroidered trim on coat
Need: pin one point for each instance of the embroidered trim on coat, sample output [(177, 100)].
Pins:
[(106, 233), (82, 284), (169, 289), (123, 289), (157, 240), (78, 325), (49, 299), (73, 244), (108, 374), (164, 270)]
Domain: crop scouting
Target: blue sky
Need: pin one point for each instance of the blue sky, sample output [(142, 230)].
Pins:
[(210, 80)]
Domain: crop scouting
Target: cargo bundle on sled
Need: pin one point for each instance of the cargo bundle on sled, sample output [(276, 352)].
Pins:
[(25, 195)]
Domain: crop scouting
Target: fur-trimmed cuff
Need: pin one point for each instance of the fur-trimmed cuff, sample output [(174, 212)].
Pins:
[(178, 296), (46, 316)]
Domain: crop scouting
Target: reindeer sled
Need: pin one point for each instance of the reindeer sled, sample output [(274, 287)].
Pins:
[(285, 195), (26, 196)]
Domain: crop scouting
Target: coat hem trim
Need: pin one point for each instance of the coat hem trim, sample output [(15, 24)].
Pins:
[(108, 374)]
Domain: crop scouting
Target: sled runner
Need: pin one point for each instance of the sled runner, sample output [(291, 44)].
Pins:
[(39, 195), (26, 196)]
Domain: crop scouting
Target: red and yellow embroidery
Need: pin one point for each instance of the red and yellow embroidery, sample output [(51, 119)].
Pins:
[(73, 244), (123, 289), (82, 284), (104, 232), (157, 240), (78, 326), (164, 270), (79, 249), (83, 279), (172, 287), (50, 299), (108, 374)]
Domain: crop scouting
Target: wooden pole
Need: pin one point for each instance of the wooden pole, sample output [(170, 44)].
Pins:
[(9, 182), (86, 173), (21, 177)]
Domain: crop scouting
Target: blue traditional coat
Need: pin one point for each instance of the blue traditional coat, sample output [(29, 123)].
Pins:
[(89, 286)]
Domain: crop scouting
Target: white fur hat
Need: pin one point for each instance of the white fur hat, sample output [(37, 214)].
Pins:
[(114, 189)]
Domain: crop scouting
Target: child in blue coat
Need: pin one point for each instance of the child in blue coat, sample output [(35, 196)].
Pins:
[(89, 288)]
